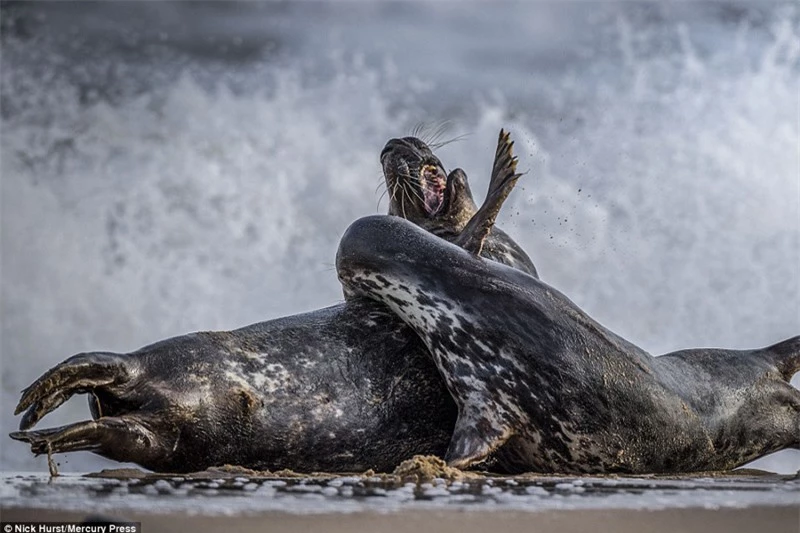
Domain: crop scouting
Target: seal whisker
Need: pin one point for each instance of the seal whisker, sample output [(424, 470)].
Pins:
[(403, 201), (414, 191), (440, 130), (416, 129), (394, 191), (436, 134), (378, 205), (415, 179), (457, 138)]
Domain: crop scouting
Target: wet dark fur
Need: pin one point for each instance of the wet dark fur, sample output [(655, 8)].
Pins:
[(355, 389), (542, 387), (360, 390)]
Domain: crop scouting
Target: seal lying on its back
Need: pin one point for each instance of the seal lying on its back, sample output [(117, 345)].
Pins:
[(540, 386), (345, 388)]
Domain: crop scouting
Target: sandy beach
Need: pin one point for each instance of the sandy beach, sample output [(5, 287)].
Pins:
[(237, 500), (783, 519)]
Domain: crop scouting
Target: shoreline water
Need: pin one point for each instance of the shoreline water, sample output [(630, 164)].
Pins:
[(240, 493), (775, 519)]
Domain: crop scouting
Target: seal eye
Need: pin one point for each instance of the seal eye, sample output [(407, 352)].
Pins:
[(433, 183)]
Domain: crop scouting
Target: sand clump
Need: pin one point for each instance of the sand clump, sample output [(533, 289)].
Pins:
[(428, 467)]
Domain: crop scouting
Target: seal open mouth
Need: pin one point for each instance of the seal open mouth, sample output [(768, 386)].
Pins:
[(432, 183), (418, 186)]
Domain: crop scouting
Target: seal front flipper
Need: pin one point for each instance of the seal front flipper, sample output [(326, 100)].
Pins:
[(504, 177), (78, 374), (476, 435)]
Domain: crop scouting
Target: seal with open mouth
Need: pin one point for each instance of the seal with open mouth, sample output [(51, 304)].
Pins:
[(346, 388), (423, 193), (541, 386)]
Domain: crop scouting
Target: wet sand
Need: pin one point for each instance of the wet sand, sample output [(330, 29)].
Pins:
[(419, 496), (785, 519)]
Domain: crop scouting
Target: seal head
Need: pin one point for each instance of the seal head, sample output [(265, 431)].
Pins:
[(421, 191), (419, 187)]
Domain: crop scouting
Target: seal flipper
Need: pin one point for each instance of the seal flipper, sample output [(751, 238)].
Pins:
[(504, 177), (477, 433), (78, 374), (118, 438), (474, 438), (786, 356)]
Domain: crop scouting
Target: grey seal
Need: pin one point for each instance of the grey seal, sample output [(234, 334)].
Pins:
[(346, 388), (541, 386), (421, 192)]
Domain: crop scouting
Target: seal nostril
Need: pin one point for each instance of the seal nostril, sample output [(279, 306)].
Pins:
[(391, 146)]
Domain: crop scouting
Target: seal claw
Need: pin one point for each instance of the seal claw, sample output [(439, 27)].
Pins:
[(503, 179), (40, 408), (78, 374), (106, 434)]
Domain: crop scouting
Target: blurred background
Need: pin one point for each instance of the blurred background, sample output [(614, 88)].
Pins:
[(172, 167)]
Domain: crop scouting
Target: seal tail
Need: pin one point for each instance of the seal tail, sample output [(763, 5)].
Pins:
[(504, 177), (786, 356)]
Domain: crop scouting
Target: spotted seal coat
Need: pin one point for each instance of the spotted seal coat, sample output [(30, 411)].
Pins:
[(346, 388), (541, 386)]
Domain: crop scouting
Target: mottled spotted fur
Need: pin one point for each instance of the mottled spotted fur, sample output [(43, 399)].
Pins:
[(540, 386)]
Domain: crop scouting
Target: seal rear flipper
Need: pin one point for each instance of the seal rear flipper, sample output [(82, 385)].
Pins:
[(786, 356), (504, 177), (124, 438), (474, 439), (78, 374)]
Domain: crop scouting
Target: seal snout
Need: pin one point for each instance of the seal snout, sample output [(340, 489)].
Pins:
[(362, 245), (354, 248), (415, 176), (376, 243)]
